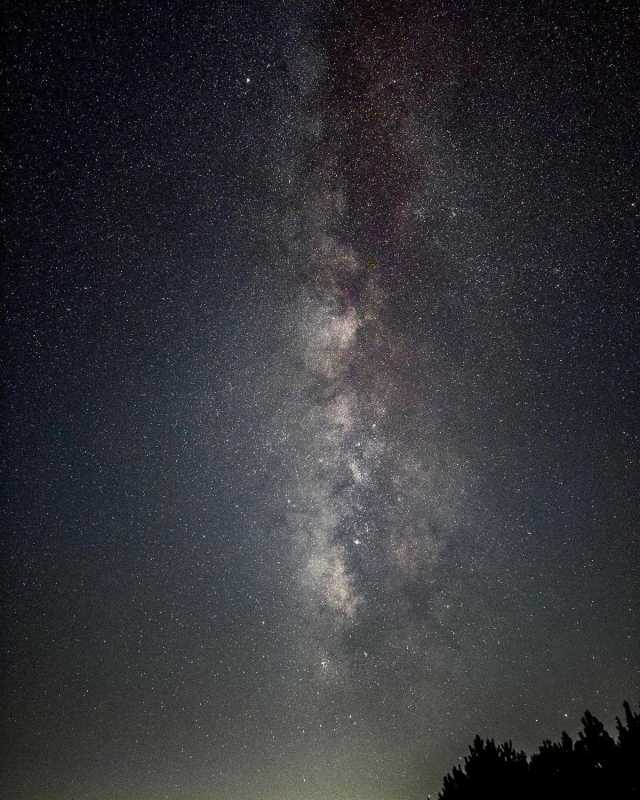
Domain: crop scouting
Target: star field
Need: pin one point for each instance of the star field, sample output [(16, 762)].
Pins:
[(321, 401)]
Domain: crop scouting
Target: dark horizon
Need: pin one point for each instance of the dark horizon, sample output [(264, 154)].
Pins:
[(322, 389)]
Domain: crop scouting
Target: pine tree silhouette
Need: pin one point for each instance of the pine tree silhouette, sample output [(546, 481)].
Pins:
[(594, 767)]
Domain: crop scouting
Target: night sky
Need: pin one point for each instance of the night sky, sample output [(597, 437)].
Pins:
[(322, 391)]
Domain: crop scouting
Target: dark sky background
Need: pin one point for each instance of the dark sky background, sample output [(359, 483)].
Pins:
[(322, 388)]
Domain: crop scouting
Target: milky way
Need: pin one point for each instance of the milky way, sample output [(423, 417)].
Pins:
[(366, 507)]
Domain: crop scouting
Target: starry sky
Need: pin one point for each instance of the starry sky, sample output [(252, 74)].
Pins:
[(321, 443)]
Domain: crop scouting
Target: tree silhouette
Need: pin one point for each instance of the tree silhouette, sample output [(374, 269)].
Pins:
[(594, 766)]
